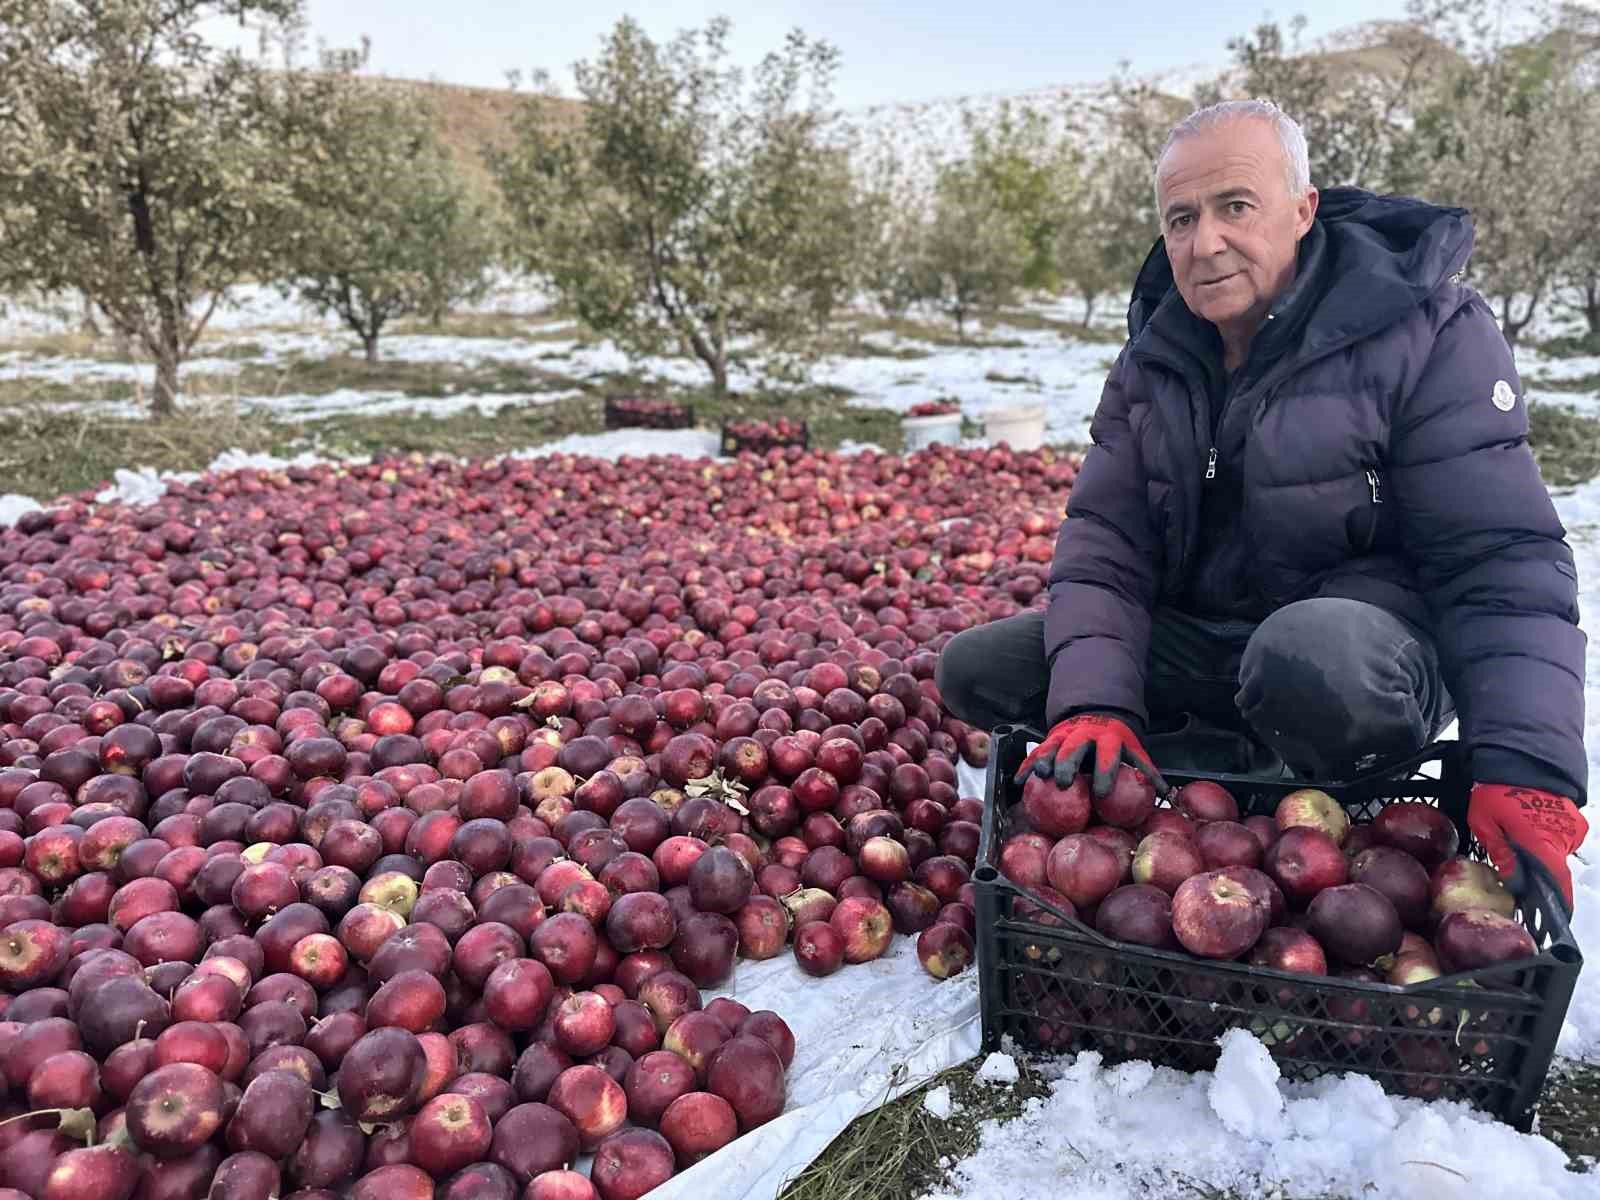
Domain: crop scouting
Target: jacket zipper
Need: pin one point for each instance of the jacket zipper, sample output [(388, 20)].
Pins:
[(1372, 482), (1211, 463)]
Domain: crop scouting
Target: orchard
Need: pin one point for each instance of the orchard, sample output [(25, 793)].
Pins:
[(374, 830)]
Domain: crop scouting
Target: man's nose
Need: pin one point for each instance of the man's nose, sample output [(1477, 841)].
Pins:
[(1208, 236)]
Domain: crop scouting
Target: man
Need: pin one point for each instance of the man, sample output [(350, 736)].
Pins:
[(1310, 515)]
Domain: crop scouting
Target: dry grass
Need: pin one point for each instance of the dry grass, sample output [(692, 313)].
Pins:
[(894, 1152)]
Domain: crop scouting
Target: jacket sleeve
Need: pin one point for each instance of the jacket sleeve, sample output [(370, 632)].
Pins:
[(1103, 578), (1492, 559)]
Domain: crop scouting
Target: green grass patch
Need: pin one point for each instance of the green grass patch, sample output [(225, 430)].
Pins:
[(1565, 442), (77, 344), (521, 327), (1001, 377), (1578, 383), (1022, 318), (1572, 345)]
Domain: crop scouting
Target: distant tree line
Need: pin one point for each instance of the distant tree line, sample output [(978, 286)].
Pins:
[(727, 214)]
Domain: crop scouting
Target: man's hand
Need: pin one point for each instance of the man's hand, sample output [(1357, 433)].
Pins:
[(1544, 826), (1067, 747)]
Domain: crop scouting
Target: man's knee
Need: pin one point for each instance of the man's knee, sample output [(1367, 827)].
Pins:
[(995, 674), (1330, 682), (961, 664)]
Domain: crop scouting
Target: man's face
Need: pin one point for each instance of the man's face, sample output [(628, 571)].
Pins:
[(1230, 224)]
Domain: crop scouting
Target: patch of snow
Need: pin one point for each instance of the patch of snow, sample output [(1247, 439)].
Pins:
[(634, 443), (1244, 1088), (1579, 509), (1106, 1134), (12, 506), (938, 1102), (139, 486), (998, 1068), (310, 407)]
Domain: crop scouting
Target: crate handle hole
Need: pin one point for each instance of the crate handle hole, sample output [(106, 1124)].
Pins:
[(986, 874), (1569, 955)]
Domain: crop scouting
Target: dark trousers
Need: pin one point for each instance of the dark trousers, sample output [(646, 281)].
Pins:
[(1331, 688)]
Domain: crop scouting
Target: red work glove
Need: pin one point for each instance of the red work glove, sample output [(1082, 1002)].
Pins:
[(1545, 827), (1067, 747)]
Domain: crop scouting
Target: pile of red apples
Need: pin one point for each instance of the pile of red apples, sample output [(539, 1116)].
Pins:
[(375, 830)]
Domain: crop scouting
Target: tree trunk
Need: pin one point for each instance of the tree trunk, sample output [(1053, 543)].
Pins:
[(961, 324), (1591, 304), (165, 400), (1511, 325), (1088, 310), (719, 374), (369, 343)]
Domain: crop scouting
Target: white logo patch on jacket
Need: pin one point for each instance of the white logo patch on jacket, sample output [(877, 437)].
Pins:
[(1503, 397)]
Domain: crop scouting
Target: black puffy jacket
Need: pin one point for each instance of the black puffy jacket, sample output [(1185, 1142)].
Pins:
[(1366, 449)]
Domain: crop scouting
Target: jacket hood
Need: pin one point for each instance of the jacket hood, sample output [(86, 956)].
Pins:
[(1382, 257)]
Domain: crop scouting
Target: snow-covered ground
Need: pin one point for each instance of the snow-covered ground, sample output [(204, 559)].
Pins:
[(1135, 1132)]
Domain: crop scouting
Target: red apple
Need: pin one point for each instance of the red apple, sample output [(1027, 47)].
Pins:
[(1138, 913), (593, 1101), (944, 949), (818, 947), (1477, 938), (747, 1073), (866, 927), (1419, 829), (1313, 809), (1202, 800), (1462, 885), (1399, 877), (1130, 801), (631, 1163), (1304, 861), (1056, 811), (1164, 860), (697, 1124), (1355, 923), (1216, 916), (1227, 844)]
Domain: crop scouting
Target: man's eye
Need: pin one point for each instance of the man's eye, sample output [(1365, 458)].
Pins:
[(1238, 207), (1178, 222)]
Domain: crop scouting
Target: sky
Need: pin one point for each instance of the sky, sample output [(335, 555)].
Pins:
[(891, 50)]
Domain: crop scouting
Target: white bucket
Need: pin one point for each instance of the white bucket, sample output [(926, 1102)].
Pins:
[(1020, 428), (918, 433)]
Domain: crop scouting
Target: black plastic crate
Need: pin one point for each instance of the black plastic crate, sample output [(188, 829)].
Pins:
[(647, 412), (735, 441), (1484, 1037)]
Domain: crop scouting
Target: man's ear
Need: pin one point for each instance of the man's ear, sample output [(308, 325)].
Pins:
[(1306, 212)]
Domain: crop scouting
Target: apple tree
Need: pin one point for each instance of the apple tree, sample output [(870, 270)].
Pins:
[(140, 165), (392, 227), (690, 206)]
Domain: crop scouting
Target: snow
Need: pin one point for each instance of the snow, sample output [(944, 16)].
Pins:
[(634, 443), (998, 1068), (12, 506), (938, 1103), (306, 407), (1133, 1131), (1580, 511), (1244, 1089)]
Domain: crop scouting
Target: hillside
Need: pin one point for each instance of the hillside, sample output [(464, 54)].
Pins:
[(474, 120)]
